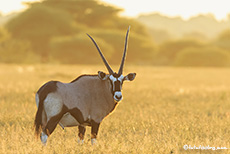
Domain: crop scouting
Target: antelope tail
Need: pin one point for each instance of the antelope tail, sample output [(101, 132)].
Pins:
[(38, 117)]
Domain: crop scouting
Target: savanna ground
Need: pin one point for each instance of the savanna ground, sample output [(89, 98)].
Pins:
[(163, 109)]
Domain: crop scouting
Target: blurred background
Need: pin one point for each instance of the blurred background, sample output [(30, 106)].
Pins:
[(166, 33)]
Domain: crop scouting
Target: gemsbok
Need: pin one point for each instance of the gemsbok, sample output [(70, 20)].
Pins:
[(85, 101)]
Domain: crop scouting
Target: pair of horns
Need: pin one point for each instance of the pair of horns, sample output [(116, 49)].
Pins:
[(104, 60)]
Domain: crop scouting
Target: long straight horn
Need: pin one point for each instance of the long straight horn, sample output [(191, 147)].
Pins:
[(102, 56), (124, 54)]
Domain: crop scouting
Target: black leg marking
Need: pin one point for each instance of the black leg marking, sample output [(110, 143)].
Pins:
[(94, 129), (76, 113), (81, 133), (52, 123)]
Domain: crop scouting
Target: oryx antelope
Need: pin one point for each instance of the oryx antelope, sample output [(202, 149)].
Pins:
[(85, 101)]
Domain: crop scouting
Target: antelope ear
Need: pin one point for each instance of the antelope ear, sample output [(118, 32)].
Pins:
[(130, 76), (102, 75)]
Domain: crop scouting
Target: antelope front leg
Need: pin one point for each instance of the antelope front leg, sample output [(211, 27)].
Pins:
[(81, 134), (94, 131)]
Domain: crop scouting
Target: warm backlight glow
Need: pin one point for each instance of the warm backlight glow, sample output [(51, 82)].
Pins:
[(183, 8), (10, 6)]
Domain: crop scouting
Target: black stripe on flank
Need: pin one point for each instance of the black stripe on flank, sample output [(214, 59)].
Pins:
[(94, 75), (77, 114), (42, 93), (52, 123)]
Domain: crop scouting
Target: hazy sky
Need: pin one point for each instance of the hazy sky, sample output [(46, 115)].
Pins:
[(184, 8)]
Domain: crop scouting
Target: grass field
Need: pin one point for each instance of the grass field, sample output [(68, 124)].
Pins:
[(163, 109)]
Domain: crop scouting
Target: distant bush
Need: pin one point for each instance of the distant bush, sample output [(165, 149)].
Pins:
[(169, 50), (223, 40), (141, 49), (4, 35), (207, 56), (38, 25), (17, 51), (14, 50), (78, 49), (225, 35), (49, 26)]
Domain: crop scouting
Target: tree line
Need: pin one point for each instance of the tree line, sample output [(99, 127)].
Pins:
[(54, 31)]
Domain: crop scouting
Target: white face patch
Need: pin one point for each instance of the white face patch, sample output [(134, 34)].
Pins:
[(117, 96), (112, 78), (121, 78)]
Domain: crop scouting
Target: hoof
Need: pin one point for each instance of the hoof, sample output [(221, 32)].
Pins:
[(81, 142), (93, 141), (44, 138)]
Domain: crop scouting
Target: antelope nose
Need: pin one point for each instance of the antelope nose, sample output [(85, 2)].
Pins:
[(118, 97)]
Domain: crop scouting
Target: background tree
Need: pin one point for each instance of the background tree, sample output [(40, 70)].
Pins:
[(169, 50), (15, 51), (45, 23), (206, 56), (38, 25), (223, 40)]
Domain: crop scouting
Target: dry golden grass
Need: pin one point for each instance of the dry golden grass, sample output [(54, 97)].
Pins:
[(162, 110)]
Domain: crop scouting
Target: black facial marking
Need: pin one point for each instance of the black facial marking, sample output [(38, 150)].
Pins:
[(47, 88), (116, 75), (117, 85), (111, 86)]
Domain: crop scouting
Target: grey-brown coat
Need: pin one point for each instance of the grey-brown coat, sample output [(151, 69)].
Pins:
[(86, 101)]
